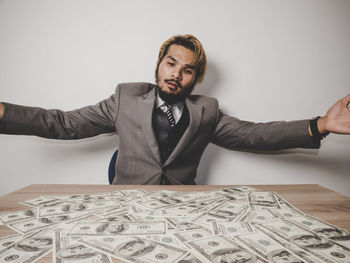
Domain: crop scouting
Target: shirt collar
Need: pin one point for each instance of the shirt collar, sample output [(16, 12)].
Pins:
[(160, 102), (177, 107)]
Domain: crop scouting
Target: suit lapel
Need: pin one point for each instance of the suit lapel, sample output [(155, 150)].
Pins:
[(195, 112), (145, 108)]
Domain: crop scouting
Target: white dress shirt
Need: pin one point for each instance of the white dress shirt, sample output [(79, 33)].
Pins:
[(177, 108)]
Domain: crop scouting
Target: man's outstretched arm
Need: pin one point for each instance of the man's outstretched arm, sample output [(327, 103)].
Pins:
[(2, 108), (233, 133), (57, 124)]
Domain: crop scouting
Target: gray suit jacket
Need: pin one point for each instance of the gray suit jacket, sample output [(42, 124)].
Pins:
[(129, 113)]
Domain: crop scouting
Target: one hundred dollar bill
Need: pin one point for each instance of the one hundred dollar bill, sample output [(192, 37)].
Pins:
[(66, 249), (39, 201), (30, 225), (232, 228), (70, 207), (27, 250), (182, 224), (17, 215), (117, 218), (7, 241), (224, 212), (191, 235), (285, 213), (168, 239), (268, 248), (258, 217), (262, 200), (286, 205), (323, 248), (217, 249), (135, 249), (117, 228), (306, 256), (324, 229), (189, 258)]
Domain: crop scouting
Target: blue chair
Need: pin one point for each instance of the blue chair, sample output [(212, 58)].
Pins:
[(111, 167)]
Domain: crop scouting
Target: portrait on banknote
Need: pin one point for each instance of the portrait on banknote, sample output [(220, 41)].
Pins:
[(111, 227), (73, 208), (282, 256), (232, 255), (76, 251), (135, 248), (310, 241), (333, 233), (34, 244)]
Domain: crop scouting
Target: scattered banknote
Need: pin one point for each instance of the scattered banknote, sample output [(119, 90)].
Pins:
[(66, 249), (268, 248), (28, 249), (18, 215), (232, 228), (234, 224), (323, 229), (7, 241), (116, 228), (262, 200), (135, 249), (217, 249), (321, 247)]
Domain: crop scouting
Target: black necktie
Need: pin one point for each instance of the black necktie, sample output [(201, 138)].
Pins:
[(169, 115)]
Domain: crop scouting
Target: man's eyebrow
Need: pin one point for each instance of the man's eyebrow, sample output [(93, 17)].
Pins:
[(190, 66), (172, 58), (187, 65)]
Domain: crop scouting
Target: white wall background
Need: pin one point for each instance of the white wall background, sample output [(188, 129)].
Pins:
[(268, 60)]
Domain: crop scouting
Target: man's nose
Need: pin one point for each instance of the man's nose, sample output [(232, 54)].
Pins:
[(177, 73)]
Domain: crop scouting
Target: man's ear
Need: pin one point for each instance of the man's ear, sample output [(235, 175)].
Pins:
[(156, 70)]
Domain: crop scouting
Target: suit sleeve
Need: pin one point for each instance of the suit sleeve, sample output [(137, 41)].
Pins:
[(56, 124), (233, 133)]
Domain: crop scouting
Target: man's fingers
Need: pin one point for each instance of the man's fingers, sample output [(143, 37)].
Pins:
[(346, 100)]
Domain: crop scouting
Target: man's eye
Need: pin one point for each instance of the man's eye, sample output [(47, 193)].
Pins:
[(188, 71), (171, 64)]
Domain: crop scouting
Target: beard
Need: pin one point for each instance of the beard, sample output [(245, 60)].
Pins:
[(171, 98)]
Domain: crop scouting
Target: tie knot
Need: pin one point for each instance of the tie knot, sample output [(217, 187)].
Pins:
[(168, 107)]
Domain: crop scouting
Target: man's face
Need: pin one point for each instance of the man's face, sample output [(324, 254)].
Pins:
[(176, 74)]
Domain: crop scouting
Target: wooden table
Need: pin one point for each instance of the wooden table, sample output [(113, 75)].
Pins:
[(312, 199)]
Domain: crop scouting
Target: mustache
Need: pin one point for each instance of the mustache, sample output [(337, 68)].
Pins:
[(174, 80)]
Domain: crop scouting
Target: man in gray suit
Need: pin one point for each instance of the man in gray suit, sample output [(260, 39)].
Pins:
[(163, 129)]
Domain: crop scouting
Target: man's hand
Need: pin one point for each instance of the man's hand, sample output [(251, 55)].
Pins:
[(337, 119), (2, 109)]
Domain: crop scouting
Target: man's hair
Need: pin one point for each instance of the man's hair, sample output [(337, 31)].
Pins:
[(193, 44)]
